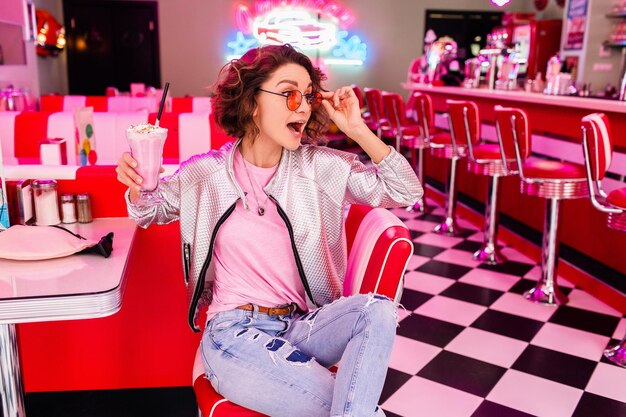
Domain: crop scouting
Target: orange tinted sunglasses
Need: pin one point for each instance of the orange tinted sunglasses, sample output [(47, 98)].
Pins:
[(294, 98)]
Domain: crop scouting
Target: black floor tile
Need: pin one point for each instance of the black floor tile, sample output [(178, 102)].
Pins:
[(394, 380), (162, 402), (591, 405), (468, 246), (510, 325), (415, 234), (589, 321), (444, 269), (489, 409), (472, 293), (522, 286), (435, 218), (463, 373), (412, 299), (511, 267), (428, 330), (555, 366), (426, 250)]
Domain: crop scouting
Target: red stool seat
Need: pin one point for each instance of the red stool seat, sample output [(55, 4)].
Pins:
[(553, 179), (488, 161), (555, 170), (617, 198)]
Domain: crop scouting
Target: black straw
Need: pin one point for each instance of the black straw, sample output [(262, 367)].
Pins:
[(158, 119)]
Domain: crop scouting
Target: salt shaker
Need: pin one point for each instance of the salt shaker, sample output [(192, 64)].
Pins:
[(46, 204), (68, 208), (83, 202)]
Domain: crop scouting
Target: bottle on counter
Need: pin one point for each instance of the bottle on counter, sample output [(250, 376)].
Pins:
[(552, 72), (83, 203), (46, 202)]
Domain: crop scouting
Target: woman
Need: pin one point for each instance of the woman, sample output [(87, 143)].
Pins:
[(262, 233)]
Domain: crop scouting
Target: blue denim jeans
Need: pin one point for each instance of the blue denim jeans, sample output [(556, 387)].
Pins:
[(278, 365)]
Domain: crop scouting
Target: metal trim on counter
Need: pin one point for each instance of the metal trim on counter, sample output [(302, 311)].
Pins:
[(587, 103)]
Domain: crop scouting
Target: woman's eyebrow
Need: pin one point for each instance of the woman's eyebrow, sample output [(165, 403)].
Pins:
[(294, 83)]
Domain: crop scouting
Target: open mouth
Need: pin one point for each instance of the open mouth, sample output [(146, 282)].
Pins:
[(296, 127)]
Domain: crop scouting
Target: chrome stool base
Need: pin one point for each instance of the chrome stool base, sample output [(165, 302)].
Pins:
[(448, 227), (547, 290), (543, 293), (420, 207), (490, 255), (617, 353)]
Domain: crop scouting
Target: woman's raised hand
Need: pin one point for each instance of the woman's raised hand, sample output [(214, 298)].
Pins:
[(343, 108)]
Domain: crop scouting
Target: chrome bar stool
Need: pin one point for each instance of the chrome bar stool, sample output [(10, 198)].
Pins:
[(419, 108), (447, 146), (379, 124), (598, 152), (482, 159), (408, 134), (555, 181)]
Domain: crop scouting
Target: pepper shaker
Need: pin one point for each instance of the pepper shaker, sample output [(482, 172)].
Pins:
[(83, 202)]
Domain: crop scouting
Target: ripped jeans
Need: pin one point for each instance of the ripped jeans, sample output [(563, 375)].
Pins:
[(277, 365)]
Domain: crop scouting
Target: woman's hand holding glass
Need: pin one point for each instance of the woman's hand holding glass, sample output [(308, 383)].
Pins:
[(127, 175)]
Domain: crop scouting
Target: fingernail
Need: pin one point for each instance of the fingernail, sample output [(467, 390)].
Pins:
[(133, 164), (139, 180)]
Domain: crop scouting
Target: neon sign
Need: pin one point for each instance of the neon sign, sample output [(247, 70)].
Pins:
[(319, 26)]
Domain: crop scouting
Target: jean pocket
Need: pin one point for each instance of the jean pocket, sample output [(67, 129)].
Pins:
[(218, 324)]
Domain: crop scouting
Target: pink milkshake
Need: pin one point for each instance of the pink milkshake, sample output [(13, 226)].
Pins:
[(146, 143)]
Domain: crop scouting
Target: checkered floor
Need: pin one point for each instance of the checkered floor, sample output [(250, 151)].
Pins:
[(469, 344)]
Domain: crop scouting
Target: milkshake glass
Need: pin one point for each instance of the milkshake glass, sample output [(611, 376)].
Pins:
[(146, 143)]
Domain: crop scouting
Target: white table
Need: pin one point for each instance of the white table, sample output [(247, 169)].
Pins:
[(70, 288)]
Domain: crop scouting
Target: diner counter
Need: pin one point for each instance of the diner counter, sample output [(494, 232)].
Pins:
[(557, 116), (71, 287), (588, 103)]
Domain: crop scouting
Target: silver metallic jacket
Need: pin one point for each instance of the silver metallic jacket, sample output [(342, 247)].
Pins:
[(310, 188)]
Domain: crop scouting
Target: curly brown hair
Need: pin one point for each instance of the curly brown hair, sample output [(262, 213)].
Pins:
[(233, 95)]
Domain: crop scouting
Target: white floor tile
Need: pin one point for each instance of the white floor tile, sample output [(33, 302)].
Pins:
[(516, 304), (451, 310), (535, 395), (487, 347), (608, 381), (572, 341), (410, 356), (489, 279), (421, 397), (430, 284)]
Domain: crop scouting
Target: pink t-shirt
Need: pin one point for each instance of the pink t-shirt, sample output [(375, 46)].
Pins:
[(253, 258)]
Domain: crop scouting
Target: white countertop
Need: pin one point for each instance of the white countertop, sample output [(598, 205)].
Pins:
[(587, 103), (73, 287)]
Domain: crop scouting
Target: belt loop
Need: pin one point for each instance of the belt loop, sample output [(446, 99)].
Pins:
[(255, 311)]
